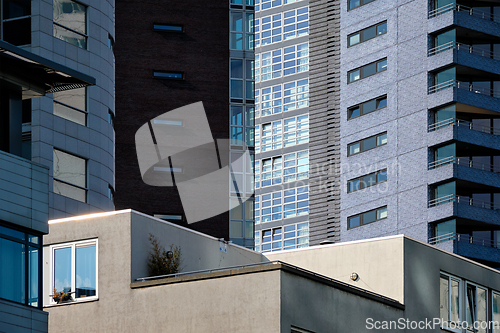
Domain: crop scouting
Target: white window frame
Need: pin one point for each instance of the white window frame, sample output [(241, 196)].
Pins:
[(73, 246), (466, 284), (460, 300)]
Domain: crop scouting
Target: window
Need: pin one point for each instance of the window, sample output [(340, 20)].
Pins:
[(449, 295), (74, 269), (367, 70), (70, 175), (284, 238), (168, 28), (366, 107), (286, 168), (111, 193), (366, 181), (356, 3), (70, 22), (111, 42), (476, 306), (366, 34), (71, 105), (21, 276), (282, 62), (15, 23), (168, 75), (169, 217), (242, 80), (367, 217), (282, 26), (366, 144), (282, 204), (266, 4), (242, 224), (111, 118), (282, 98), (495, 310), (241, 25)]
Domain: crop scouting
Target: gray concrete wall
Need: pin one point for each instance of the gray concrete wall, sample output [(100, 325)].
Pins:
[(199, 251), (16, 318), (24, 192), (94, 142), (320, 308), (339, 261)]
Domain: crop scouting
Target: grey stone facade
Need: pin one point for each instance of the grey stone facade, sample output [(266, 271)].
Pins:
[(409, 120)]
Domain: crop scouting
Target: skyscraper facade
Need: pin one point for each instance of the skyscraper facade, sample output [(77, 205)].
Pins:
[(281, 125), (174, 54), (410, 122), (56, 136)]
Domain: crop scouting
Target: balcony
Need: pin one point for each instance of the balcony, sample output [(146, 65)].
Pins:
[(461, 15), (466, 208), (476, 248)]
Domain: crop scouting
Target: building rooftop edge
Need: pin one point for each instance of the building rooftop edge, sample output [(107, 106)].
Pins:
[(265, 267)]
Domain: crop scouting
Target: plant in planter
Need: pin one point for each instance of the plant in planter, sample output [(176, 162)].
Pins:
[(162, 262), (61, 297)]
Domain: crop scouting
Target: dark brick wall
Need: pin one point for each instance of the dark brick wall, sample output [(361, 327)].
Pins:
[(202, 53)]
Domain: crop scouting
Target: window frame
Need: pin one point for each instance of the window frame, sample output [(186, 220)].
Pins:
[(174, 77), (74, 245), (361, 3), (361, 144), (86, 188), (362, 184), (19, 18), (360, 215), (363, 68), (73, 108), (86, 34), (363, 31), (360, 106), (27, 244), (157, 27)]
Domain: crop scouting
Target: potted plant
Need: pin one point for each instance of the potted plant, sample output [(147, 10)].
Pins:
[(61, 297)]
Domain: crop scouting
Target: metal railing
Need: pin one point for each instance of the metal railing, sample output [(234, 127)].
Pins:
[(464, 86), (465, 48), (464, 238), (463, 200), (460, 8), (465, 161), (463, 123), (207, 270)]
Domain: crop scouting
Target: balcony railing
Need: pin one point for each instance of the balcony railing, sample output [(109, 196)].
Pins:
[(465, 161), (463, 123), (464, 86), (464, 238), (465, 48), (460, 8), (463, 200)]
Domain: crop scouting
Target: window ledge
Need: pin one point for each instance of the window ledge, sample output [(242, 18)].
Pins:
[(74, 302)]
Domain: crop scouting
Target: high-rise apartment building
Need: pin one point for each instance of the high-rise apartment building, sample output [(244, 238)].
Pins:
[(56, 137), (281, 125), (173, 54), (404, 107)]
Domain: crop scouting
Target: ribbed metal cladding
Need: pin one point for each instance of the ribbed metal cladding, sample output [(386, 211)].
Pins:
[(324, 119)]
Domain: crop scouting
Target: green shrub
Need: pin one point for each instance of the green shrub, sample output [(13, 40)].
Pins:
[(159, 262)]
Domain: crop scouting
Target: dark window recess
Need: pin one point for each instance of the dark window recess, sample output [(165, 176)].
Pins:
[(367, 217), (111, 118), (168, 27), (366, 107), (17, 32), (26, 111), (168, 75), (366, 34), (111, 42)]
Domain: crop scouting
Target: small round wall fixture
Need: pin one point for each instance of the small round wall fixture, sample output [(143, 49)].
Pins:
[(170, 254), (354, 276)]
